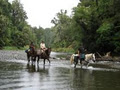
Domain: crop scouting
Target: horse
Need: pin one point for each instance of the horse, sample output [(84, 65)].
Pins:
[(31, 54), (38, 54), (43, 55), (75, 57)]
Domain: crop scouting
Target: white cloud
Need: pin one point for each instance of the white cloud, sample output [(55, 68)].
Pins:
[(41, 12)]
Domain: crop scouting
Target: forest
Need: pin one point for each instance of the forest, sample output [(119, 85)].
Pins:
[(95, 24)]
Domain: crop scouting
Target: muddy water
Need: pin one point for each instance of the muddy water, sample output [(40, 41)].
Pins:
[(16, 74)]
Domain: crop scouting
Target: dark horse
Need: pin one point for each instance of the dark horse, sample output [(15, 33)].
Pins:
[(44, 55), (38, 54), (31, 56)]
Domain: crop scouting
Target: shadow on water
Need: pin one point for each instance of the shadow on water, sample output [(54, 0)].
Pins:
[(37, 68)]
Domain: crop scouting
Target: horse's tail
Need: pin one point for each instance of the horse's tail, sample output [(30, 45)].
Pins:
[(72, 58)]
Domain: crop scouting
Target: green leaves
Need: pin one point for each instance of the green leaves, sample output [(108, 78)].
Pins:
[(105, 28), (62, 29), (99, 24), (13, 31), (94, 23)]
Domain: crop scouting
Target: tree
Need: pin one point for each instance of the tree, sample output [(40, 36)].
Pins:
[(99, 24), (5, 23), (62, 29), (18, 14)]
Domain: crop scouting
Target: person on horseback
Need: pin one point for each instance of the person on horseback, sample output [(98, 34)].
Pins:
[(42, 46), (81, 53), (32, 47)]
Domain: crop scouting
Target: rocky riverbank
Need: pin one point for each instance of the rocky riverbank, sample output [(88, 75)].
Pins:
[(113, 62), (21, 55), (12, 54)]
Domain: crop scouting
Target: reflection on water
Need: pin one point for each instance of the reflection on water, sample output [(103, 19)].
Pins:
[(35, 68), (59, 75), (83, 78)]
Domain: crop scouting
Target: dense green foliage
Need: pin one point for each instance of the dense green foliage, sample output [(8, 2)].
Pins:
[(14, 30), (95, 24), (13, 27)]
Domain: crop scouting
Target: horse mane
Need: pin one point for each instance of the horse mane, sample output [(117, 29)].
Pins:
[(48, 51)]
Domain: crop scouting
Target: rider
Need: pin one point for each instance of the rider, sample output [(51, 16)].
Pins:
[(42, 46), (81, 53), (32, 47)]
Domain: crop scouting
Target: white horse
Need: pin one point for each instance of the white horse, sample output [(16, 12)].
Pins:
[(88, 57)]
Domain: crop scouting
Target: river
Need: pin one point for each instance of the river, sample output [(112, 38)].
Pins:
[(17, 74)]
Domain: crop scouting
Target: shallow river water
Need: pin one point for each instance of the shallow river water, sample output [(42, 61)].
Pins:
[(16, 74)]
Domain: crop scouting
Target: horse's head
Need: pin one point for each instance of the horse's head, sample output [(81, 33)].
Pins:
[(93, 55), (28, 51), (90, 56), (48, 51)]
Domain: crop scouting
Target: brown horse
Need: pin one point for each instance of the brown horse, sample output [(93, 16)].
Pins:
[(44, 55), (38, 54)]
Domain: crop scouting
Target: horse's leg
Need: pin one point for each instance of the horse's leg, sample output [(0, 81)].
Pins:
[(48, 60), (75, 61), (34, 59), (44, 61), (87, 64), (93, 61), (28, 58), (38, 59), (81, 62)]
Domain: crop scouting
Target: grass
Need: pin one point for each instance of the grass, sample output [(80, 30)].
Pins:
[(10, 48), (68, 50), (15, 48)]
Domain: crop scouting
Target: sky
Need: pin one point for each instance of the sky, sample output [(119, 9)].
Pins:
[(41, 12)]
